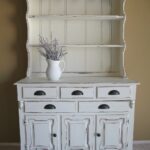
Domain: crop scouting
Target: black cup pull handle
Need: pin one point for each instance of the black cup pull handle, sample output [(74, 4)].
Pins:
[(114, 92), (98, 134), (77, 92), (54, 135), (39, 93), (103, 106), (49, 106)]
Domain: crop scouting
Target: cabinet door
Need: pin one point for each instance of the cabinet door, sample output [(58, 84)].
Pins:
[(112, 132), (42, 132), (78, 133)]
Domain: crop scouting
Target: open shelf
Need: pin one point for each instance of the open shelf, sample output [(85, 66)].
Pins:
[(78, 17), (75, 7), (83, 46), (99, 60)]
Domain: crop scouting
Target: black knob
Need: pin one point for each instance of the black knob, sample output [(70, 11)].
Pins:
[(98, 134), (39, 93), (103, 106), (77, 92), (114, 92), (49, 106), (54, 135)]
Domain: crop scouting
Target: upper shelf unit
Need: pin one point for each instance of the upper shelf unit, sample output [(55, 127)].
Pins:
[(91, 30), (72, 8)]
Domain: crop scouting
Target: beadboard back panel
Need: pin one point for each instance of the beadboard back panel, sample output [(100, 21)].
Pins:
[(78, 7), (90, 30)]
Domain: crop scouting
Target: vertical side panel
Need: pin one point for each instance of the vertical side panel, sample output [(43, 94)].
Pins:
[(34, 31), (106, 66), (106, 7), (78, 132), (75, 32), (34, 7), (45, 7), (115, 59), (93, 32), (94, 60), (40, 130), (75, 7), (94, 7), (113, 130), (36, 60), (57, 7), (106, 32), (75, 60), (57, 28), (46, 29)]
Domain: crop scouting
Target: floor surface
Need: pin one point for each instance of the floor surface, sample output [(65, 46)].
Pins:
[(136, 147)]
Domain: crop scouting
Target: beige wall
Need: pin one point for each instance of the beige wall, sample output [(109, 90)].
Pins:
[(13, 63)]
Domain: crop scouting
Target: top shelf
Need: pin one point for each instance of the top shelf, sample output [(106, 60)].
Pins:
[(78, 17)]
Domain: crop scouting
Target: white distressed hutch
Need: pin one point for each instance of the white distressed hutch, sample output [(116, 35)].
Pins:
[(92, 106)]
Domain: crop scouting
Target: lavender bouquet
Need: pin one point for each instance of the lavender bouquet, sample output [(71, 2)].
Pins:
[(52, 50)]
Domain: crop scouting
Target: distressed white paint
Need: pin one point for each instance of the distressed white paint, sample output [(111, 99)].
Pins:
[(103, 92), (114, 106), (60, 107), (39, 127), (29, 93), (93, 33), (78, 132), (87, 92), (114, 132)]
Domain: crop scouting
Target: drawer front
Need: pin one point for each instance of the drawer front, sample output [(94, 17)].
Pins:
[(114, 92), (38, 93), (50, 107), (77, 92), (103, 106)]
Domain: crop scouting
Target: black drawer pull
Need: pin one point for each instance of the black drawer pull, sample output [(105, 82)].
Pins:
[(77, 92), (103, 106), (39, 93), (54, 135), (49, 106), (98, 134), (114, 92)]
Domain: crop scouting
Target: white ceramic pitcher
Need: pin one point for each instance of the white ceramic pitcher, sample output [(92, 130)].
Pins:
[(54, 70)]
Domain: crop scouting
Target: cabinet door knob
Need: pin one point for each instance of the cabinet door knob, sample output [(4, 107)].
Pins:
[(77, 92), (98, 134), (39, 93), (114, 92), (54, 135), (103, 106), (49, 106)]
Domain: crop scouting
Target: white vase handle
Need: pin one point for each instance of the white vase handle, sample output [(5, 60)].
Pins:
[(63, 66)]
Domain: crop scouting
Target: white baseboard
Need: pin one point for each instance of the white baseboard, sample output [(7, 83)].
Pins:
[(142, 142)]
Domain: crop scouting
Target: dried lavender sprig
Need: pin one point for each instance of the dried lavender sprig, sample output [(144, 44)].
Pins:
[(52, 50)]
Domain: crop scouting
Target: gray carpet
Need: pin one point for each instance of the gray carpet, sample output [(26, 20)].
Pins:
[(136, 147)]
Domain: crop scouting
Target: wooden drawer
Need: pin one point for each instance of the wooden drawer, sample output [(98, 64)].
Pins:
[(86, 92), (103, 106), (38, 93), (50, 107), (114, 92)]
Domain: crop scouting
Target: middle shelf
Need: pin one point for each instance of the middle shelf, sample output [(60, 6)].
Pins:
[(84, 46), (78, 17), (78, 33)]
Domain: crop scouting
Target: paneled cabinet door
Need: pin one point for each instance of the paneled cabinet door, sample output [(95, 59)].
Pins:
[(42, 133), (78, 133), (112, 132)]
